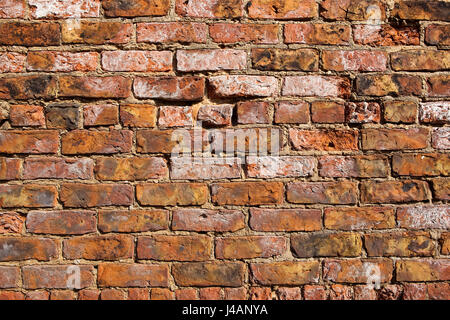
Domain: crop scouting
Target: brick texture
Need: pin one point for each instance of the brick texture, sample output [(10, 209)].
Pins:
[(224, 149)]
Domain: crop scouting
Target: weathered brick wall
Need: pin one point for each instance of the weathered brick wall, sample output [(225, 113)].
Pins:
[(92, 92)]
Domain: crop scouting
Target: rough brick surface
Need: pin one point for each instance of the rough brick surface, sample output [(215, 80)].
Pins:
[(224, 149)]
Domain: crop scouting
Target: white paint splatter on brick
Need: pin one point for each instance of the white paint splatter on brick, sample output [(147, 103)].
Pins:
[(64, 8), (424, 217), (435, 111)]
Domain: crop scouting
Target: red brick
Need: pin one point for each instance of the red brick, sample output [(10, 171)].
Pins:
[(170, 116), (133, 8), (132, 275), (357, 270), (70, 8), (62, 116), (28, 87), (95, 32), (27, 248), (62, 61), (285, 219), (171, 32), (259, 293), (58, 168), (9, 168), (161, 294), (327, 112), (12, 61), (186, 294), (171, 194), (318, 33), (138, 294), (359, 60), (415, 291), (133, 220), (207, 274), (211, 60), (341, 292), (421, 10), (112, 294), (11, 222), (61, 222), (343, 244), (394, 139), (316, 86), (441, 188), (250, 33), (137, 61), (353, 10), (283, 166), (424, 164), (364, 218), (282, 9), (247, 193), (135, 168), (285, 273), (30, 34), (96, 142), (253, 112), (441, 138), (215, 115), (170, 88), (424, 217), (96, 195), (438, 291), (37, 295), (394, 191), (62, 295), (213, 293), (207, 220), (57, 276), (436, 34), (26, 116), (12, 9), (9, 277), (435, 112), (94, 87), (138, 115), (186, 168), (353, 166), (285, 59), (210, 8), (385, 35), (243, 86), (388, 84), (438, 86), (399, 244), (161, 141), (400, 111), (287, 293), (315, 292), (11, 295), (250, 247), (324, 140), (420, 60), (105, 247), (174, 248), (235, 294), (362, 112), (28, 196), (365, 292), (291, 112), (343, 192), (100, 115), (423, 270)]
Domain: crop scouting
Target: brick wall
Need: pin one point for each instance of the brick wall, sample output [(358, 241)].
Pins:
[(93, 94)]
